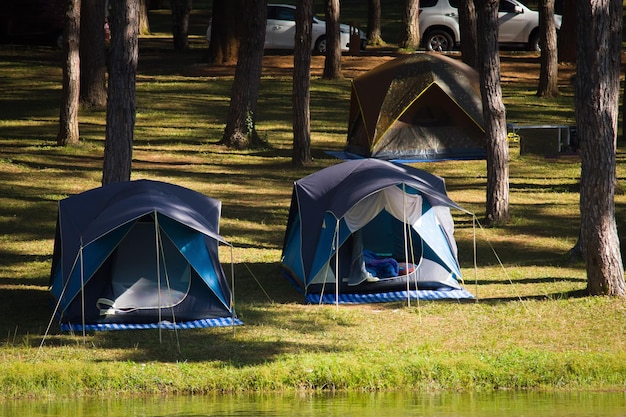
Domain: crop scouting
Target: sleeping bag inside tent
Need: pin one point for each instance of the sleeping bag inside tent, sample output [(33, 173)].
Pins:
[(139, 254), (393, 229)]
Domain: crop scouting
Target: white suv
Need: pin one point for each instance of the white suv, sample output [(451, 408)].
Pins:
[(439, 24)]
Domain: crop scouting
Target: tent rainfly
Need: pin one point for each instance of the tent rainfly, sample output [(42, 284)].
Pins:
[(418, 107), (139, 254), (368, 230)]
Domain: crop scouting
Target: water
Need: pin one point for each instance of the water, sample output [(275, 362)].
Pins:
[(506, 404)]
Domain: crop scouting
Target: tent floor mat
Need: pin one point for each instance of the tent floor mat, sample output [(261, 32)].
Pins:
[(165, 325), (354, 298)]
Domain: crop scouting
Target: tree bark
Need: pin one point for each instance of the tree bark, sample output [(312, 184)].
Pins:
[(549, 72), (467, 26), (373, 23), (409, 27), (118, 148), (93, 89), (332, 63), (567, 34), (225, 31), (240, 131), (180, 23), (597, 94), (497, 209), (301, 154), (144, 22), (68, 118)]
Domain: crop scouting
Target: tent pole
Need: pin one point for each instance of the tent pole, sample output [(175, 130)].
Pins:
[(337, 264), (406, 246), (82, 288), (158, 268), (232, 286)]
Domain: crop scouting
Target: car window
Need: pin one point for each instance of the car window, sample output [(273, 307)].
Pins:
[(506, 7), (429, 3), (285, 13), (454, 3)]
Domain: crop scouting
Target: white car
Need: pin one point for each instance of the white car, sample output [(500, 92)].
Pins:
[(281, 30), (439, 24)]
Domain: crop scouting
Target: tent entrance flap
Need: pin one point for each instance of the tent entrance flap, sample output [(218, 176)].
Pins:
[(135, 281)]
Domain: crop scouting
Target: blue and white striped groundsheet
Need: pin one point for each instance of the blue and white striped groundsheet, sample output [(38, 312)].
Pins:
[(389, 296), (165, 325)]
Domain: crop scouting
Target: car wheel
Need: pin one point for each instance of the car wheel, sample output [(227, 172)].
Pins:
[(320, 45), (438, 40), (533, 42)]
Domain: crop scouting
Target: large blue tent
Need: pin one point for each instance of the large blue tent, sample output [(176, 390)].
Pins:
[(369, 230), (139, 254)]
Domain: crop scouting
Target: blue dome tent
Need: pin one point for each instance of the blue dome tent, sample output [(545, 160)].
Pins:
[(369, 230), (139, 254)]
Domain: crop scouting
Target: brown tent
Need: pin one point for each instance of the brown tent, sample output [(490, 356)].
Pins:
[(419, 107)]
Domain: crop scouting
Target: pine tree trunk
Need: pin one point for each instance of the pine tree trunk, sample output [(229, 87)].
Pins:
[(332, 63), (301, 154), (373, 23), (597, 94), (225, 29), (118, 148), (467, 26), (549, 73), (68, 118), (240, 131), (93, 90), (497, 209), (409, 29), (180, 23), (567, 34)]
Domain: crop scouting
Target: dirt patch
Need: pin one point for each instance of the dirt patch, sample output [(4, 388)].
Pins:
[(514, 66)]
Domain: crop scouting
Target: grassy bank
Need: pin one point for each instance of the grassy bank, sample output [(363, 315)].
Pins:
[(530, 328)]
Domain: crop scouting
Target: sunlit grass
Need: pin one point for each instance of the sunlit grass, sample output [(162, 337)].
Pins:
[(527, 329)]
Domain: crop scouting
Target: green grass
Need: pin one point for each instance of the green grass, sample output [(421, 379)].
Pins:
[(530, 328)]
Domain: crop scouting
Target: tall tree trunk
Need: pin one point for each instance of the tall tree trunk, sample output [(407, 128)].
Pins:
[(332, 63), (68, 118), (93, 90), (180, 23), (567, 34), (118, 148), (225, 31), (597, 94), (144, 22), (549, 73), (240, 131), (409, 28), (497, 210), (301, 154), (373, 23), (467, 26)]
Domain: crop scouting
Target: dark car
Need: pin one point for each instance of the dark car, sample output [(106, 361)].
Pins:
[(38, 22)]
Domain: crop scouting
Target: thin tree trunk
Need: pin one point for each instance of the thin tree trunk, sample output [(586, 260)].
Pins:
[(301, 154), (180, 23), (93, 90), (497, 210), (409, 29), (118, 148), (567, 34), (373, 23), (144, 22), (548, 75), (68, 118), (467, 26), (332, 63), (597, 94), (225, 30), (240, 131)]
